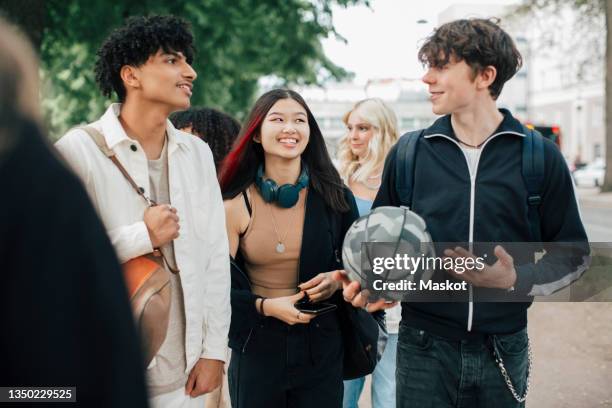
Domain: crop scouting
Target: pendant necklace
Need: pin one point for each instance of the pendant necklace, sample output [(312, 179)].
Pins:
[(478, 146), (280, 246)]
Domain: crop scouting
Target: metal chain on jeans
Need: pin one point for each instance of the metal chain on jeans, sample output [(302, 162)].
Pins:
[(502, 368)]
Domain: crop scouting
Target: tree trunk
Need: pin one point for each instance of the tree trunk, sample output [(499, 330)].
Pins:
[(607, 186)]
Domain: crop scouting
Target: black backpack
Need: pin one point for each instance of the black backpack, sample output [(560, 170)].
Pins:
[(533, 172)]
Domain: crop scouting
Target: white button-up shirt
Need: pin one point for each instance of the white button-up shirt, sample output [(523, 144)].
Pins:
[(201, 250)]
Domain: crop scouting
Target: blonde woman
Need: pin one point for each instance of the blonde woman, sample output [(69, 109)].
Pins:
[(371, 132)]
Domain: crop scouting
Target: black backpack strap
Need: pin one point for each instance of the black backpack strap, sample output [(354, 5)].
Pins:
[(533, 175), (404, 166)]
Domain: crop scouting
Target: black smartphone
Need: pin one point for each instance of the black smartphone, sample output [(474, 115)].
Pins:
[(315, 308)]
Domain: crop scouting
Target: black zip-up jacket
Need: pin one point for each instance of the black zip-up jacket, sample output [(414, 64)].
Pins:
[(488, 206), (318, 254)]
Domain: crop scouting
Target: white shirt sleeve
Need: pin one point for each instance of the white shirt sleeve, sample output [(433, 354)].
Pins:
[(217, 294), (129, 241)]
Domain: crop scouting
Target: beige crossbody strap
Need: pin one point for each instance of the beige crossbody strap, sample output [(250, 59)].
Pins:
[(100, 141)]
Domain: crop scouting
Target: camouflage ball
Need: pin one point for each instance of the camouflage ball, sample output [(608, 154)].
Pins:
[(406, 233)]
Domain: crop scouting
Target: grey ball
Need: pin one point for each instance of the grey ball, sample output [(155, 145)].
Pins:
[(403, 230)]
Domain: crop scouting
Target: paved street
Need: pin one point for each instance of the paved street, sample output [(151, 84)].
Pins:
[(596, 211), (598, 223)]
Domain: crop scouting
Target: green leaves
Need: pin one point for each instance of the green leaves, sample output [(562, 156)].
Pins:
[(237, 43)]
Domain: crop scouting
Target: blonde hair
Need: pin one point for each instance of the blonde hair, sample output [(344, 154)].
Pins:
[(384, 125)]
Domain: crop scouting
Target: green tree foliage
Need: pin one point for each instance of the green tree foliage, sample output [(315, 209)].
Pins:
[(238, 42), (585, 7), (585, 20)]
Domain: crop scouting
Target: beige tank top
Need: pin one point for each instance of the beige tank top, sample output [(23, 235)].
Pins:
[(273, 273)]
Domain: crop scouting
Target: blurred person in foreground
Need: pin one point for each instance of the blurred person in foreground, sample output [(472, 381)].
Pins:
[(371, 132), (219, 130), (469, 187), (176, 171), (64, 312), (216, 128)]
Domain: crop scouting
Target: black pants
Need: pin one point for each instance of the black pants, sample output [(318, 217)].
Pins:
[(284, 366), (434, 372)]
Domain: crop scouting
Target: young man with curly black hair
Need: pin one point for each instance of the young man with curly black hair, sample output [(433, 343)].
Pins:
[(468, 182), (147, 64)]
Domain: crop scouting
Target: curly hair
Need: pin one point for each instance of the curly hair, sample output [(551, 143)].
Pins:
[(480, 43), (216, 128), (133, 44)]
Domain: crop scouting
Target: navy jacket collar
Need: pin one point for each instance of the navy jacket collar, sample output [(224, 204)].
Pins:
[(509, 124)]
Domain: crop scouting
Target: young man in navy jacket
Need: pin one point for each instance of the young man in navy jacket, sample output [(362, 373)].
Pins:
[(468, 186)]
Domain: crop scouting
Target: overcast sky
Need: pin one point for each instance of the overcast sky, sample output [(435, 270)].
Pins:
[(383, 40)]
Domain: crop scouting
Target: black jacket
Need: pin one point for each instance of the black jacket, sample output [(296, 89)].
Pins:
[(64, 310), (319, 253), (489, 207)]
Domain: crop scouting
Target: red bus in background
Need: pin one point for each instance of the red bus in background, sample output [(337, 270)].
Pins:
[(550, 132)]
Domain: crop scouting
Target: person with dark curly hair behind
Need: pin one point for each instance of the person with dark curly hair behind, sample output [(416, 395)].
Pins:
[(147, 64), (216, 128)]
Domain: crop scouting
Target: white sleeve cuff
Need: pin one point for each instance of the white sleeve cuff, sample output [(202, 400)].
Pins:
[(131, 241)]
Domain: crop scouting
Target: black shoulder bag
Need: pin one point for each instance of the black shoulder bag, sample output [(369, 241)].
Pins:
[(364, 335)]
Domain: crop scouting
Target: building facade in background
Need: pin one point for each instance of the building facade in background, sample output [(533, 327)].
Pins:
[(407, 97), (561, 83)]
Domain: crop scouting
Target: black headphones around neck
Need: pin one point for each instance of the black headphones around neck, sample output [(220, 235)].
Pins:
[(286, 195)]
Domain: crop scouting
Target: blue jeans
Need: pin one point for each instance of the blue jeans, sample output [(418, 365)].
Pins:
[(434, 372), (383, 381)]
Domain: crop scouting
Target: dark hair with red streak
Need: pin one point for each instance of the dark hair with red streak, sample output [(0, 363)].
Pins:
[(240, 166)]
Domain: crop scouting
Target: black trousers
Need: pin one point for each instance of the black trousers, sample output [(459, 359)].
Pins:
[(435, 372), (283, 366)]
